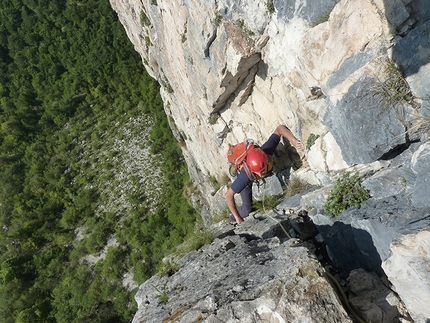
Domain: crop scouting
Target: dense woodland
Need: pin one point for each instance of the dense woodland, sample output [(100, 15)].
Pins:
[(69, 80)]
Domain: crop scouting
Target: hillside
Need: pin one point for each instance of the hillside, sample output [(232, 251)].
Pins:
[(90, 171)]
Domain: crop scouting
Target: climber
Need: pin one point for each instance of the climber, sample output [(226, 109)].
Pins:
[(257, 161)]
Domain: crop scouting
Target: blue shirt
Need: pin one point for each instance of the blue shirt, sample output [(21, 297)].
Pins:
[(242, 180)]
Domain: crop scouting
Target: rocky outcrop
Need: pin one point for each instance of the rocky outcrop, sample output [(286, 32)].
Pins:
[(243, 277), (352, 76)]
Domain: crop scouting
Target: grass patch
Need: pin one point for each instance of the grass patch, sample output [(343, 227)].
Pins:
[(214, 183), (347, 192), (144, 20), (197, 240), (184, 35), (148, 41), (162, 296), (394, 89), (267, 203), (422, 125), (296, 186), (213, 117), (168, 268), (224, 215)]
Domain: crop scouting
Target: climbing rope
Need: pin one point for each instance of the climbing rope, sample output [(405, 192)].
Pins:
[(345, 299), (267, 214)]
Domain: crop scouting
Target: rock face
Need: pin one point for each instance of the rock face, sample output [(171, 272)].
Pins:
[(235, 70), (350, 75)]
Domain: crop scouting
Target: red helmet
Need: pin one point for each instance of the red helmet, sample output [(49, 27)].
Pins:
[(257, 160)]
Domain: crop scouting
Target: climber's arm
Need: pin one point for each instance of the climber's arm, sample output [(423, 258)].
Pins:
[(229, 197), (283, 131)]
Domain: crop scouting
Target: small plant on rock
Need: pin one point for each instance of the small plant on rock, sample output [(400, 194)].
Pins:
[(144, 20), (270, 7), (168, 268), (268, 203), (296, 186), (347, 192), (162, 297), (195, 241), (311, 140), (217, 19), (395, 88)]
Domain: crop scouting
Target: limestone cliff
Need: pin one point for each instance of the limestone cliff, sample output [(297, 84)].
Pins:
[(352, 74)]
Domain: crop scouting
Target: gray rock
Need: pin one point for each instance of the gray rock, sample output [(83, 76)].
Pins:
[(312, 11), (361, 238), (270, 186), (421, 167), (373, 299), (364, 129), (412, 54), (239, 280), (407, 268)]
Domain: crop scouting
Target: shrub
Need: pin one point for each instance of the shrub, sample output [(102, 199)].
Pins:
[(347, 192)]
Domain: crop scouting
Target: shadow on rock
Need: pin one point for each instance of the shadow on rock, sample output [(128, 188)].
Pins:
[(351, 248)]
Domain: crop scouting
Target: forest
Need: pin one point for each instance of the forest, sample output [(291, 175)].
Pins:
[(78, 113)]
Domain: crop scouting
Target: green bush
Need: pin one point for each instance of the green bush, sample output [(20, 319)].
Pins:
[(347, 192), (217, 19)]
